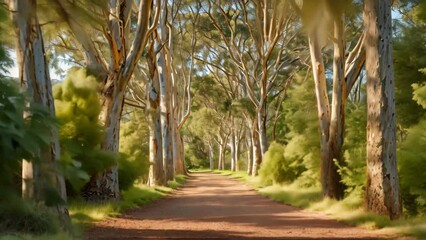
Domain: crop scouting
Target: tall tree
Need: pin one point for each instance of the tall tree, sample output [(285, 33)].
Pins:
[(38, 177), (123, 53), (382, 190), (345, 73)]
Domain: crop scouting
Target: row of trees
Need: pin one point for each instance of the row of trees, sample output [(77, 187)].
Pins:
[(238, 72), (80, 157), (253, 51)]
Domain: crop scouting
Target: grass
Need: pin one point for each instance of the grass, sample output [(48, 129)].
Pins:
[(58, 236), (348, 210), (83, 213), (139, 195)]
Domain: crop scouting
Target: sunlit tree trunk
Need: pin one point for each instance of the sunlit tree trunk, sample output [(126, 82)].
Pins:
[(257, 153), (114, 74), (165, 94), (249, 145), (237, 151), (211, 156), (156, 171), (232, 147), (261, 120), (35, 79), (332, 180), (382, 193)]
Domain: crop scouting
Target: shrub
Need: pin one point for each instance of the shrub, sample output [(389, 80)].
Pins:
[(276, 168)]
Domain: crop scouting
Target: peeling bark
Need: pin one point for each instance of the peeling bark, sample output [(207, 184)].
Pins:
[(35, 79)]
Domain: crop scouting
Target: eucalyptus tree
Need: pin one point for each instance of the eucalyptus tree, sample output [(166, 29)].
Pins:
[(382, 189), (111, 51), (258, 50), (318, 18), (37, 176)]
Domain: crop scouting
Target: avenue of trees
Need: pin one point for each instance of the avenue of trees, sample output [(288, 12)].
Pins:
[(325, 93)]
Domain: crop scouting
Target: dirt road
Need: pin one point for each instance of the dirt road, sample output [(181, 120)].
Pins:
[(217, 207)]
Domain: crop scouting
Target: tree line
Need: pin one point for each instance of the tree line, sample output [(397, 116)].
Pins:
[(157, 87)]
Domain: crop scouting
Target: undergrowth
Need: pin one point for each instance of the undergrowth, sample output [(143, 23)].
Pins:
[(83, 213)]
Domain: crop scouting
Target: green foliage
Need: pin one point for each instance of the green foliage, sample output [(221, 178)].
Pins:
[(419, 93), (5, 60), (20, 138), (134, 150), (276, 168), (354, 148), (25, 217), (301, 124), (412, 158), (77, 108), (195, 154), (409, 57)]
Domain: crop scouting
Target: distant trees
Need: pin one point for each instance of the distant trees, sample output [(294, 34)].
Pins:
[(231, 76)]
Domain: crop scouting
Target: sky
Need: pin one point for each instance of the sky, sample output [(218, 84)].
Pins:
[(14, 72)]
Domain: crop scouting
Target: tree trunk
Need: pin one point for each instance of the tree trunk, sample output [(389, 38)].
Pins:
[(105, 186), (250, 157), (263, 140), (237, 150), (327, 165), (257, 153), (156, 171), (165, 94), (211, 156), (35, 78), (334, 186), (382, 191), (232, 147), (219, 162), (249, 144)]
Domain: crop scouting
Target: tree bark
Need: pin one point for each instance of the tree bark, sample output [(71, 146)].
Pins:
[(123, 58), (334, 186), (250, 156), (257, 153), (165, 95), (156, 171), (382, 191), (262, 128), (232, 147), (211, 156), (35, 78)]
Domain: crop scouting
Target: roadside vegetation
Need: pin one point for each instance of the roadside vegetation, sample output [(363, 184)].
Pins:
[(349, 210)]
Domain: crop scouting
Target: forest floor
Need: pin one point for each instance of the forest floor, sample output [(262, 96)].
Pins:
[(217, 207)]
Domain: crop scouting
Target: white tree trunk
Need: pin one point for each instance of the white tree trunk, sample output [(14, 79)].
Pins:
[(232, 147), (34, 77), (165, 95), (257, 153), (249, 145), (382, 191), (220, 161), (261, 120), (211, 156)]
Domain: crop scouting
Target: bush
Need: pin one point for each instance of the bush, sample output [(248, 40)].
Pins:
[(276, 168), (354, 149), (134, 149), (78, 108), (130, 170), (18, 215), (412, 168)]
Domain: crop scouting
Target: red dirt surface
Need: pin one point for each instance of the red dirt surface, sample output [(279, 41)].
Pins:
[(211, 206)]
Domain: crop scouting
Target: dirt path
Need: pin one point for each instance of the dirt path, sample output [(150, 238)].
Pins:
[(214, 206)]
